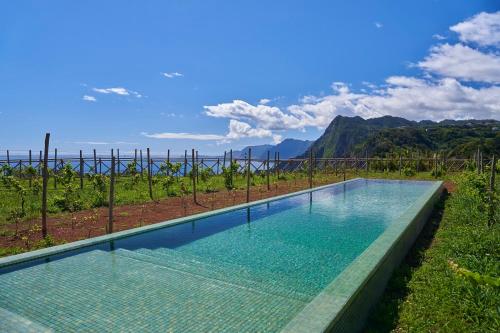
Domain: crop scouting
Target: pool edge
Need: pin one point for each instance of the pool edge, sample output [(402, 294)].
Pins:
[(345, 303), (58, 249)]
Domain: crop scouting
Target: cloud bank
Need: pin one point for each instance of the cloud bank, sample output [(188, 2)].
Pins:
[(458, 80), (117, 91)]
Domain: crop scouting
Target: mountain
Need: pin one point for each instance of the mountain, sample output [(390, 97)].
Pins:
[(379, 136), (287, 148)]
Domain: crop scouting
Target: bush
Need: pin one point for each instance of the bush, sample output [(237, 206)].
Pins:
[(408, 172)]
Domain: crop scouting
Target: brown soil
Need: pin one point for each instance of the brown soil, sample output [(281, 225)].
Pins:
[(70, 227), (450, 186)]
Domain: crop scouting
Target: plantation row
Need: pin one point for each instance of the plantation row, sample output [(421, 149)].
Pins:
[(71, 190)]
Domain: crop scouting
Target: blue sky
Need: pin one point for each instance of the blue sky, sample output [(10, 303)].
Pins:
[(215, 75)]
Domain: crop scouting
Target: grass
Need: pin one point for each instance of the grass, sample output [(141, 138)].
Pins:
[(428, 293)]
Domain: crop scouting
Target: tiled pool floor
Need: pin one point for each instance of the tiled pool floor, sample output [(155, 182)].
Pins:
[(76, 297)]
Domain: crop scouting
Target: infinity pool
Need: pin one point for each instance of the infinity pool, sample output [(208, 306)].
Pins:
[(250, 269)]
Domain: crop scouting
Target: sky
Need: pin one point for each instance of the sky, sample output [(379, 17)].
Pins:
[(215, 75)]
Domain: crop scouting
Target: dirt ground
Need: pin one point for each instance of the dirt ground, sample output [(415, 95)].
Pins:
[(70, 227)]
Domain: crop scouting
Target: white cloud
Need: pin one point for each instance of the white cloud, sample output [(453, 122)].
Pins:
[(171, 115), (184, 136), (237, 130), (89, 98), (409, 97), (268, 117), (277, 138), (378, 25), (172, 75), (117, 91), (264, 101), (438, 37), (462, 62), (405, 81), (101, 143), (482, 29)]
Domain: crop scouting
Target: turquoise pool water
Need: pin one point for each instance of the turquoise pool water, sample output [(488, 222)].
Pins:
[(251, 269)]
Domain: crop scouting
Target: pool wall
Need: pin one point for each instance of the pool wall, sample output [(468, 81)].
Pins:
[(344, 305)]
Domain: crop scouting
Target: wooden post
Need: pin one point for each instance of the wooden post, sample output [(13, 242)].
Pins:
[(275, 162), (481, 162), (278, 165), (111, 195), (168, 161), (193, 176), (491, 215), (197, 165), (185, 163), (248, 173), (231, 167), (150, 182), (45, 180), (100, 165), (40, 163), (30, 162), (224, 161), (142, 166), (55, 168), (118, 162), (344, 167), (435, 165), (493, 172), (135, 155), (218, 165), (478, 168), (417, 162), (310, 167), (8, 158), (400, 162), (95, 162), (267, 172), (366, 157), (81, 170)]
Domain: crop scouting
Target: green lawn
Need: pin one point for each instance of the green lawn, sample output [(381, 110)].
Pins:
[(434, 290)]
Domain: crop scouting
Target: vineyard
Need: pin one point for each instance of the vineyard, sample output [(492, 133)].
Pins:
[(87, 193)]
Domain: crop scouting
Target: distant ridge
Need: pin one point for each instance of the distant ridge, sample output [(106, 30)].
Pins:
[(378, 136), (288, 148)]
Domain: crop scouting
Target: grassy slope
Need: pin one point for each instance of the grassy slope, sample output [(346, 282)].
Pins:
[(425, 294)]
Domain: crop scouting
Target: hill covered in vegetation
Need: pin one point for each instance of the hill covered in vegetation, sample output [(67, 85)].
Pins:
[(288, 148), (379, 136)]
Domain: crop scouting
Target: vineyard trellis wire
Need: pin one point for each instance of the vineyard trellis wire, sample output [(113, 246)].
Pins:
[(85, 165)]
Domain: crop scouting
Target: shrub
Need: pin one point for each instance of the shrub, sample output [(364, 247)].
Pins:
[(408, 172)]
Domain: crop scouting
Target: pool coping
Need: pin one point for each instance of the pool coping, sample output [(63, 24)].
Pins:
[(337, 307), (58, 249)]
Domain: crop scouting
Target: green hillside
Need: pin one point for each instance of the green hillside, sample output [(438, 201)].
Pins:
[(379, 136)]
